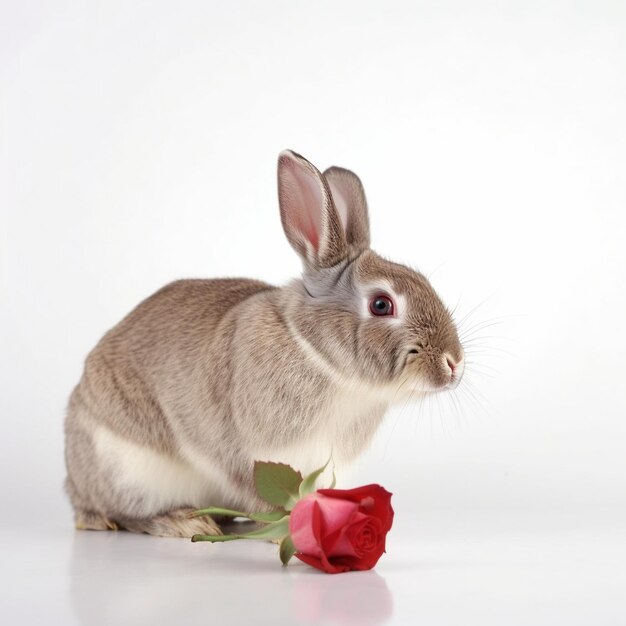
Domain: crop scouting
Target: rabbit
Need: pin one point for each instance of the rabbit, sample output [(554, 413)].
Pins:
[(204, 377)]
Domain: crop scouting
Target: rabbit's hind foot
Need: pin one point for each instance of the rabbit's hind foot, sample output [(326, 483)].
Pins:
[(178, 523), (89, 520)]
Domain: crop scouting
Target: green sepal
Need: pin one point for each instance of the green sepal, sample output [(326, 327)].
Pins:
[(287, 549), (277, 483), (307, 486)]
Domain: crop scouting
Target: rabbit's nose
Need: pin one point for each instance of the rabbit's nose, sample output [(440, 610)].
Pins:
[(455, 366)]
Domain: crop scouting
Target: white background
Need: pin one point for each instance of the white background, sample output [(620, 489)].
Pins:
[(138, 143)]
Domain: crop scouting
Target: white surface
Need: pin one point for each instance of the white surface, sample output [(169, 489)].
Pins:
[(439, 570), (138, 144)]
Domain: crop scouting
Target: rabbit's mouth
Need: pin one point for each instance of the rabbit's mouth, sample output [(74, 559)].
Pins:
[(426, 372)]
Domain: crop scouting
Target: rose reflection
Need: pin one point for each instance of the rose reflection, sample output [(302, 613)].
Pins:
[(125, 579), (361, 598)]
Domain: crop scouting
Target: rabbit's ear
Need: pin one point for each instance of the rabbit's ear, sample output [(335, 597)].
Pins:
[(349, 198), (311, 222)]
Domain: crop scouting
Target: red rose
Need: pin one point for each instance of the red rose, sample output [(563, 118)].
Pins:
[(337, 530)]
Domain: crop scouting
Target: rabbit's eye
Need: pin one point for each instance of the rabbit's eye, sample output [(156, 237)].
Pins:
[(381, 305)]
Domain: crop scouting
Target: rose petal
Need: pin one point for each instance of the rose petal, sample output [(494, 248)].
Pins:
[(351, 542), (335, 512), (322, 564), (305, 527), (340, 542), (380, 508)]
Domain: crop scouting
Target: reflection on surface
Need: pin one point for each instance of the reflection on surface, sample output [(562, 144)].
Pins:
[(357, 598), (120, 578)]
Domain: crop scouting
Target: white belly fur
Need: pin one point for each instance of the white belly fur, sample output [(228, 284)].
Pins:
[(163, 483)]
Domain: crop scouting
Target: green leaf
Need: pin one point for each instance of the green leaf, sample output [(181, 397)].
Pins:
[(270, 516), (287, 549), (334, 481), (307, 486), (277, 483)]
